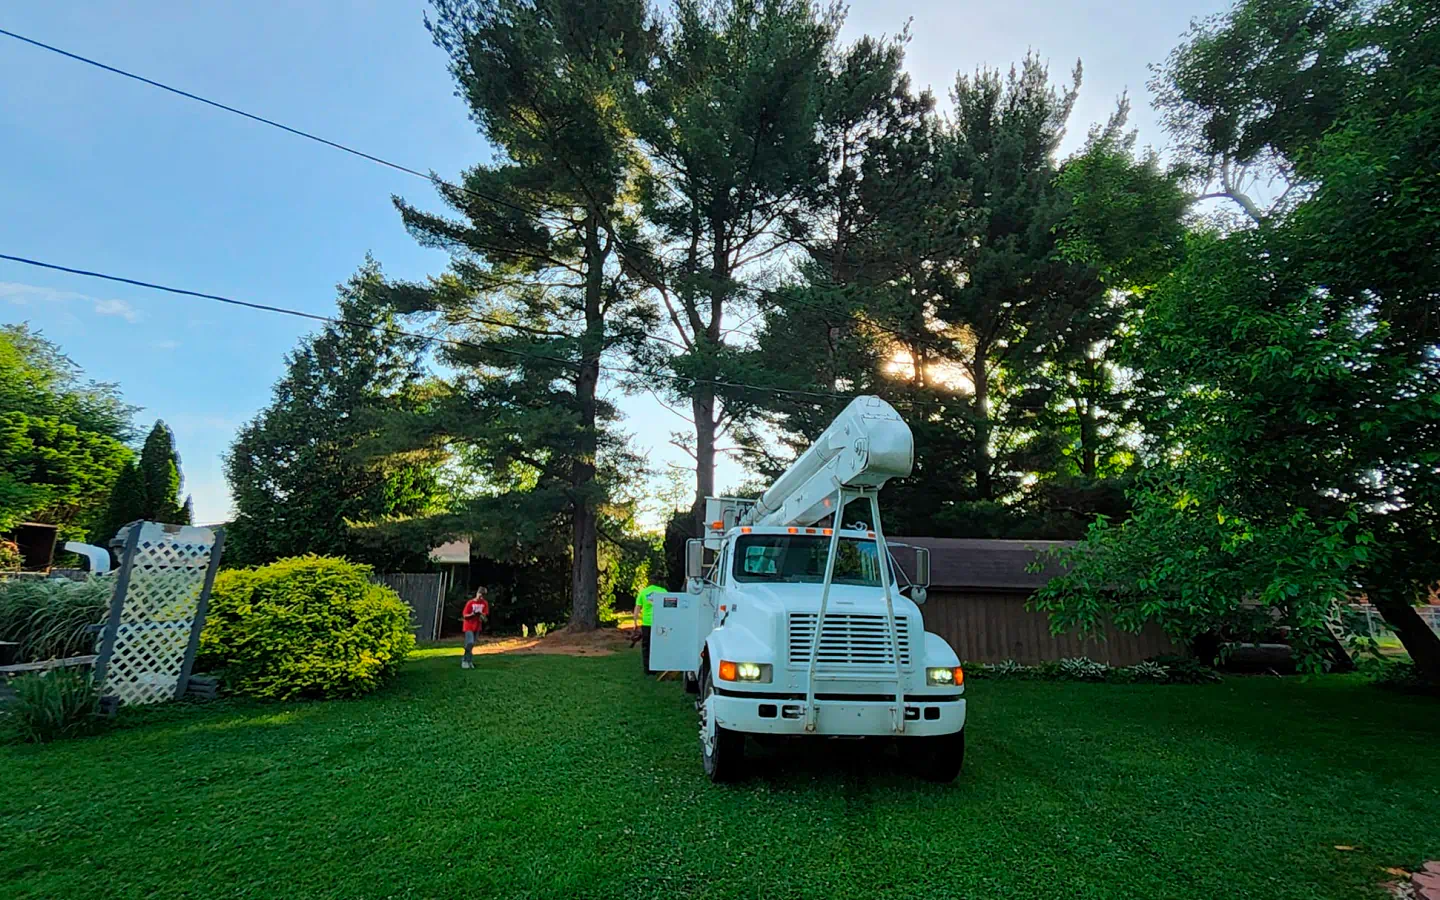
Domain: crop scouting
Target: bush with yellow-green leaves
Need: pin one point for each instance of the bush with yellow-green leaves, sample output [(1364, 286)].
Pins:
[(310, 626)]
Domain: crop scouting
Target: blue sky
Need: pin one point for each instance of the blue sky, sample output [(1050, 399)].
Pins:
[(106, 174)]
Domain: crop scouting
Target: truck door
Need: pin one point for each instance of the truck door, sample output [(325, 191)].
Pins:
[(680, 624)]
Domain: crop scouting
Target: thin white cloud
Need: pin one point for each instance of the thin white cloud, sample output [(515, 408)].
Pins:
[(165, 345), (22, 294), (117, 308)]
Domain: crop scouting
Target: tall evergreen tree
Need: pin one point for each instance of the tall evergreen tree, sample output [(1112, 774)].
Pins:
[(160, 470), (1013, 292), (959, 271), (297, 471), (729, 121), (127, 503), (535, 288), (876, 228)]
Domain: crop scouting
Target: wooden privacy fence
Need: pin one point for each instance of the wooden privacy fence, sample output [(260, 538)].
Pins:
[(424, 593), (993, 626), (978, 596)]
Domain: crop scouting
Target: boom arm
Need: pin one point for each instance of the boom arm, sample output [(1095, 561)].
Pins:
[(866, 446)]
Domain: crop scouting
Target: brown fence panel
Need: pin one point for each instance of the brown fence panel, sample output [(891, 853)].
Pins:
[(424, 593), (993, 626)]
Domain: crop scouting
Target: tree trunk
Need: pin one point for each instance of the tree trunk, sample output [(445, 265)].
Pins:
[(1088, 428), (585, 556), (1420, 642), (980, 375), (702, 401), (585, 572), (1087, 438), (702, 405)]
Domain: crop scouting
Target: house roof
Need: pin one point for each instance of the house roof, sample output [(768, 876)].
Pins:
[(981, 563)]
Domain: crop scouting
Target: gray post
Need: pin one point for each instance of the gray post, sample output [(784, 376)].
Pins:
[(117, 604), (183, 684)]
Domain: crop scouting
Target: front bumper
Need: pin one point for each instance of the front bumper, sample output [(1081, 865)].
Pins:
[(838, 715)]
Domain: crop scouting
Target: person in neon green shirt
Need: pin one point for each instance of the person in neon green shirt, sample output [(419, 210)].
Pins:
[(645, 609)]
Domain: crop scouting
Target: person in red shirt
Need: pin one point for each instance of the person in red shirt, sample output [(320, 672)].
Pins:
[(472, 619)]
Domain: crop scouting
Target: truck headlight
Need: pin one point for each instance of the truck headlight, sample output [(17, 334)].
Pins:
[(941, 676), (744, 671)]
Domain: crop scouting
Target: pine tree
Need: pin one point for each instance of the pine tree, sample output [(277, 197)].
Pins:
[(126, 504), (879, 228), (160, 471), (535, 289), (729, 120)]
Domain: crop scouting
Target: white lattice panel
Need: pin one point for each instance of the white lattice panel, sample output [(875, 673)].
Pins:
[(161, 601)]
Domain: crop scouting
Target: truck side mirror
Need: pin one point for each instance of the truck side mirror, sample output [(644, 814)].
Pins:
[(922, 567), (694, 558)]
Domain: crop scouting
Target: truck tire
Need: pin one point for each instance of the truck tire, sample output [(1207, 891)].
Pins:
[(937, 758), (724, 755)]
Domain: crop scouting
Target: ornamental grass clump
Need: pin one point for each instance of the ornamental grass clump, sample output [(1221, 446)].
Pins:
[(50, 618)]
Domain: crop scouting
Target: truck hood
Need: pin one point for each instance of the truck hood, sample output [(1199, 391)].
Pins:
[(806, 598)]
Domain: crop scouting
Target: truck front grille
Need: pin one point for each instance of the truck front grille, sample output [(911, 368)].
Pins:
[(849, 639)]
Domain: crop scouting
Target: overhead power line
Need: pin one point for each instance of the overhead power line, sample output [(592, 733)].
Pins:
[(309, 136), (430, 339), (431, 177)]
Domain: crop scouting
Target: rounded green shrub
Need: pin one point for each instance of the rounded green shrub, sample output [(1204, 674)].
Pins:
[(310, 626)]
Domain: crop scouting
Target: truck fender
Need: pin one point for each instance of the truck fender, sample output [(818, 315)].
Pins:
[(737, 644), (938, 652)]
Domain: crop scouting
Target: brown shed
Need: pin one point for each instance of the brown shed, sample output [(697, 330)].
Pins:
[(978, 594)]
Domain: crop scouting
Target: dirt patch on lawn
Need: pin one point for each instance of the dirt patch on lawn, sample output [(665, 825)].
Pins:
[(601, 642)]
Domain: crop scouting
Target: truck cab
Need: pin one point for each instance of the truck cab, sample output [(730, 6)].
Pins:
[(745, 635), (797, 621)]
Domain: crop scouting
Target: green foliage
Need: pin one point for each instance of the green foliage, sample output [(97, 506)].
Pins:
[(638, 560), (1187, 560), (126, 504), (1184, 669), (1081, 669), (1168, 669), (1399, 675), (49, 617), (1288, 371), (50, 706), (62, 439), (307, 626), (959, 270), (147, 488), (52, 471), (10, 558), (36, 378), (296, 470)]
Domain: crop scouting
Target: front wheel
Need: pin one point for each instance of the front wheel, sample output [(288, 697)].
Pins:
[(937, 758), (721, 750)]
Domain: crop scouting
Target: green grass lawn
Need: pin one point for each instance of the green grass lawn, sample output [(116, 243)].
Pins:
[(547, 776)]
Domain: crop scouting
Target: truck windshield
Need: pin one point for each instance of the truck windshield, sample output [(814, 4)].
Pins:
[(800, 559)]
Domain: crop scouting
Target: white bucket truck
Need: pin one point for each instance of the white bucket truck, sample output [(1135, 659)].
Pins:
[(772, 575)]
